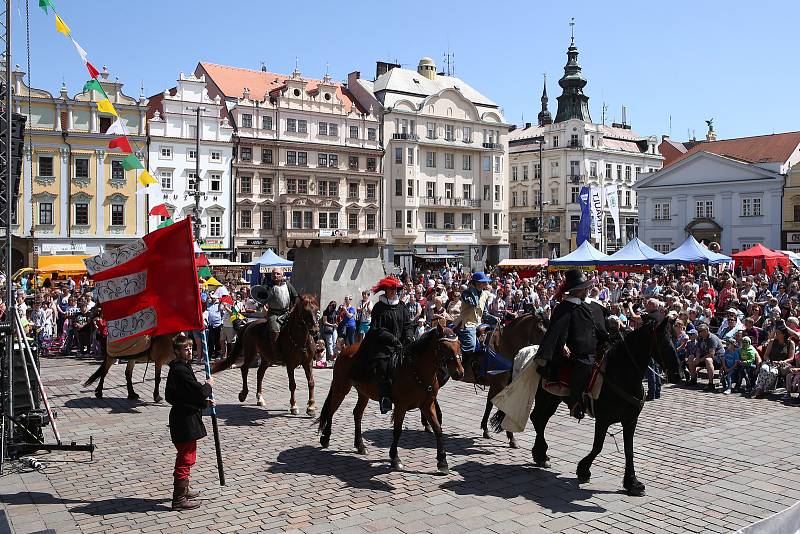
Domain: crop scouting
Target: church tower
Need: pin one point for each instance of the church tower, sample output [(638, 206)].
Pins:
[(544, 115), (572, 104)]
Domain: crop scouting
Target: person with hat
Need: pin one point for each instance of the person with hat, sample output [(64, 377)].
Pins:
[(279, 299), (576, 329), (474, 300), (390, 329)]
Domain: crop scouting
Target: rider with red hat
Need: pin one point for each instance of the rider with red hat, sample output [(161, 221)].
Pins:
[(391, 328)]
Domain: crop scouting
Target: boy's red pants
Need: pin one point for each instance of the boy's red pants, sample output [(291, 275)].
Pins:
[(185, 459)]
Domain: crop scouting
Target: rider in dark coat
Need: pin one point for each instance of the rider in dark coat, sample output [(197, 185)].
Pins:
[(391, 328), (576, 328)]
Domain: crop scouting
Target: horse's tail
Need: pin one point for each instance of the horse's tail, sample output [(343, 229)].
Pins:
[(325, 415), (97, 374), (233, 354)]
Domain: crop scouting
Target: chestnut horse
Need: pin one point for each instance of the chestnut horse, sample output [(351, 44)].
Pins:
[(415, 384), (295, 348), (160, 352)]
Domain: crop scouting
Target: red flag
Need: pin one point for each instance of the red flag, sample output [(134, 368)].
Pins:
[(149, 286), (93, 72), (161, 209), (121, 143), (202, 260), (227, 300)]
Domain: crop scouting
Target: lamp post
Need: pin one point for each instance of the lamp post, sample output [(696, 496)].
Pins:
[(540, 238), (196, 210)]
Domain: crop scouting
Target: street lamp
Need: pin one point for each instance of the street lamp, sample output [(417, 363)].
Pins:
[(197, 194), (540, 239)]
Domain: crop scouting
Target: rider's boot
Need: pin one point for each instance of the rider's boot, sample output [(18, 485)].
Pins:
[(581, 374)]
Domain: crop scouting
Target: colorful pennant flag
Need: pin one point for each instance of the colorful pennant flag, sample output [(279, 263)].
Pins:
[(131, 162), (94, 85), (118, 128), (202, 260), (81, 51), (167, 222), (61, 27), (204, 272), (160, 209), (93, 72), (121, 143), (145, 178), (105, 106), (44, 4)]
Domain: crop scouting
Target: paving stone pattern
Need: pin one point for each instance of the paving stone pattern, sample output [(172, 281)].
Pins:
[(711, 463)]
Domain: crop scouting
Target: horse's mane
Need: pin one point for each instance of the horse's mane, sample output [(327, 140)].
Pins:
[(648, 325)]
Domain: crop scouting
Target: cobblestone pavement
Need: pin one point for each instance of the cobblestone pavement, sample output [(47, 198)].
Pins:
[(711, 463)]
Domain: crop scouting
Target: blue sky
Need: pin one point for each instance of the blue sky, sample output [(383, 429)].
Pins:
[(731, 60)]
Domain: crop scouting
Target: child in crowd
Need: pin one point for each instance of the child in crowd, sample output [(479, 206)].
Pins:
[(745, 366), (729, 360)]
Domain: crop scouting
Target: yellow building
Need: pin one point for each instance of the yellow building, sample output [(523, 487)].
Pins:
[(75, 197), (790, 233)]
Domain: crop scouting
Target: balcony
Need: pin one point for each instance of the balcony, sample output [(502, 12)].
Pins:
[(493, 146), (406, 136), (450, 202), (574, 144)]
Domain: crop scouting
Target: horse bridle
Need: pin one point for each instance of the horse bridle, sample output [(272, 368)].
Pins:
[(304, 322), (442, 361)]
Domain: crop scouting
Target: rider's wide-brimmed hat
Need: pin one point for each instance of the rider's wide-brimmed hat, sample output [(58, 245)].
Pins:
[(480, 276), (575, 279), (386, 283)]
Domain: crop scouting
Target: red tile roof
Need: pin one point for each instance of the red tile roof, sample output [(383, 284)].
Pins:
[(232, 81), (774, 148)]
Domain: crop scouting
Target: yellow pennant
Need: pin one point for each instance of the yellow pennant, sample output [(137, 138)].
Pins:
[(145, 178), (105, 106), (61, 27)]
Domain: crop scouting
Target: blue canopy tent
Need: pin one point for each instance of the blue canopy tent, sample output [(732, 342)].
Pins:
[(585, 254), (635, 252), (265, 263), (691, 251)]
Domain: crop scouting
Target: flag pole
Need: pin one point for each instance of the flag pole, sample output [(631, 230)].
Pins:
[(214, 424)]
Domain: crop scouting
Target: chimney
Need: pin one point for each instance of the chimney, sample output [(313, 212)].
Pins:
[(527, 125), (624, 116), (664, 138), (382, 67), (427, 68)]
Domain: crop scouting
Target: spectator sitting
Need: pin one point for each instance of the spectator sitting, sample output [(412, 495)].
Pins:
[(745, 366), (729, 360)]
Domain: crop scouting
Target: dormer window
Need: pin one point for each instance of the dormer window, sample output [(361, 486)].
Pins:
[(297, 92)]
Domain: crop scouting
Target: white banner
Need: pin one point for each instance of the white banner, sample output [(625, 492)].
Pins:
[(612, 201), (596, 211)]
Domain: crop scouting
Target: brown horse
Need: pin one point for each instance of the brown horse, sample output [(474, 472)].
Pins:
[(160, 352), (295, 348), (415, 385)]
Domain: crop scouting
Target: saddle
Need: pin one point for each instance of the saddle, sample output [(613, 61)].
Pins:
[(131, 347), (486, 362), (559, 385)]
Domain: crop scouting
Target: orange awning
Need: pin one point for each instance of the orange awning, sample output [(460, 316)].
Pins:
[(66, 265)]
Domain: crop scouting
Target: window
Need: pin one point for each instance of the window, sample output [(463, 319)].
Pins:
[(352, 190), (216, 155), (410, 156), (398, 155), (627, 202), (323, 128), (302, 126), (574, 192), (487, 221), (245, 219), (372, 134), (410, 191), (662, 247), (448, 190), (333, 160), (554, 196), (291, 157), (81, 167), (537, 197), (46, 166), (430, 189), (497, 192), (45, 213), (524, 172), (449, 221), (466, 161), (354, 132), (302, 158), (627, 172), (467, 191), (291, 125), (431, 130), (466, 221), (796, 213), (430, 219), (247, 120), (328, 220), (247, 153), (467, 134), (592, 140), (409, 219), (371, 221), (449, 132), (192, 181), (215, 182), (751, 206), (573, 140), (514, 173), (266, 122), (166, 152), (245, 185), (352, 162), (619, 172), (430, 159), (498, 164), (537, 171), (609, 171), (81, 214), (192, 155), (704, 209), (555, 141), (398, 188), (372, 164), (297, 219), (449, 161), (166, 179), (661, 210), (329, 188), (105, 124), (524, 198), (291, 186), (352, 220), (266, 156), (266, 185), (322, 160), (215, 226), (117, 171), (513, 199), (371, 189), (487, 163), (487, 192), (593, 169), (574, 169), (398, 218), (554, 223), (554, 169), (574, 222)]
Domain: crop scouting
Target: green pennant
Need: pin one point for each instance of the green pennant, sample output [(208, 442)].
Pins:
[(44, 4), (94, 85), (204, 272), (131, 162), (166, 223)]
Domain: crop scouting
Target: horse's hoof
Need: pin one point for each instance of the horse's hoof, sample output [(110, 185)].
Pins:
[(583, 476), (544, 464), (361, 450), (294, 410), (261, 402), (486, 434), (513, 444), (324, 441), (133, 396), (98, 393), (427, 429), (243, 395), (397, 464), (157, 398), (442, 468), (311, 412), (634, 488)]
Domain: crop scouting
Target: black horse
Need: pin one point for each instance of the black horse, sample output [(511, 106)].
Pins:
[(620, 401)]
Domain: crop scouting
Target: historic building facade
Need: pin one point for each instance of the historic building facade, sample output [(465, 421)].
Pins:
[(551, 161), (172, 154), (307, 163), (790, 232), (75, 196), (444, 168)]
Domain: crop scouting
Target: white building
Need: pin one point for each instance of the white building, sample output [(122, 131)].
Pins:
[(444, 193), (572, 152), (728, 191), (172, 127)]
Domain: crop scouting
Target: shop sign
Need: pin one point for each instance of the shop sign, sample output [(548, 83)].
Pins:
[(213, 243), (257, 242), (466, 238), (56, 248)]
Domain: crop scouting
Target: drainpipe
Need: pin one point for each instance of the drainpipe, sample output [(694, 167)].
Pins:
[(69, 183)]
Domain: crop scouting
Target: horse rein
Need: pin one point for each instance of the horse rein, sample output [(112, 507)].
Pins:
[(303, 322), (455, 357)]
